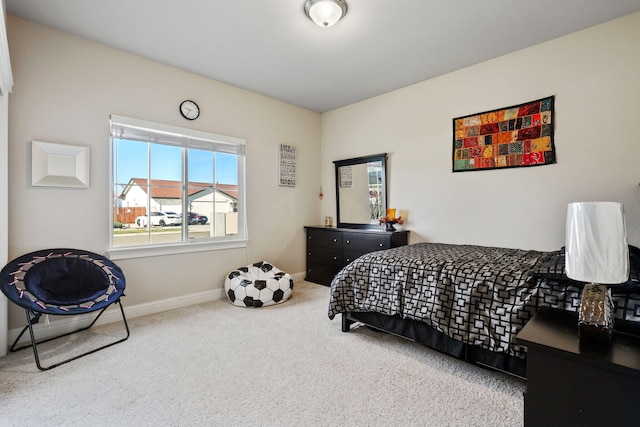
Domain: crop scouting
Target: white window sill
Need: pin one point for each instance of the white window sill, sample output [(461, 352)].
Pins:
[(182, 248)]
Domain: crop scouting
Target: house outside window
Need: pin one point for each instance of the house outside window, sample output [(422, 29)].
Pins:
[(174, 189)]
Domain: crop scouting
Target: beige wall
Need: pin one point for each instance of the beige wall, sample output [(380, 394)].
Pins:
[(595, 79), (4, 211), (65, 89)]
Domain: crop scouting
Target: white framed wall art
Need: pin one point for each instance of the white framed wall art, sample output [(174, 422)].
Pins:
[(59, 165)]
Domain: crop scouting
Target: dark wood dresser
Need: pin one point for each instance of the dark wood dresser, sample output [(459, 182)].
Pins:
[(571, 383), (329, 249)]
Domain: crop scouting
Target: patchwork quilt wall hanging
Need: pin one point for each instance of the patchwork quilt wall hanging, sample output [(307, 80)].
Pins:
[(516, 136)]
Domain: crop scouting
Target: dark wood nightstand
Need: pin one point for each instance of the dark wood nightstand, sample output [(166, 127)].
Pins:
[(570, 383)]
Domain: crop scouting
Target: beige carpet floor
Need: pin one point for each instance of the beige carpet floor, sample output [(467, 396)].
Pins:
[(215, 364)]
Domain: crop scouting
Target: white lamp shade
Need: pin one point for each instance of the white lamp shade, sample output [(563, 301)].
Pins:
[(596, 243), (325, 12)]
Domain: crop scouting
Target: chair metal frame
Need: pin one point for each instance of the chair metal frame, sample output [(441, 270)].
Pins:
[(33, 317)]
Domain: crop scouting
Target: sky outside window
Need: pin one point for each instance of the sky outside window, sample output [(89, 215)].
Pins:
[(166, 163)]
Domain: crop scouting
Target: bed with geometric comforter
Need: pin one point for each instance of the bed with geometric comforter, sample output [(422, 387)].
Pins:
[(468, 301)]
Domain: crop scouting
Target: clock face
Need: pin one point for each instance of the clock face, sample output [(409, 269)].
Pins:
[(189, 110)]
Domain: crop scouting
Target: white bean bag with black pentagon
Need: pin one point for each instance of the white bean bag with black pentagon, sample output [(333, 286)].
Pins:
[(258, 285)]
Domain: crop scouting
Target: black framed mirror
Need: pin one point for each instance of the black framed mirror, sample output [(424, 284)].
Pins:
[(361, 191)]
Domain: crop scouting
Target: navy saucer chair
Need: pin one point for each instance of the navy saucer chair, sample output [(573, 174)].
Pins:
[(62, 282)]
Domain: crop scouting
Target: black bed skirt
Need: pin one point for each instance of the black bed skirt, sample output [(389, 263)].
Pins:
[(424, 334)]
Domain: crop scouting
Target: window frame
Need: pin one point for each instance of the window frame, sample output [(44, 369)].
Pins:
[(184, 138)]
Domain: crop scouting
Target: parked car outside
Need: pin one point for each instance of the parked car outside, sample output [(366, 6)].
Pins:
[(195, 218), (159, 218)]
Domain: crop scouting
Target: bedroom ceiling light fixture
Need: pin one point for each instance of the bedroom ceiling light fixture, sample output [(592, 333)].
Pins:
[(596, 253), (325, 13)]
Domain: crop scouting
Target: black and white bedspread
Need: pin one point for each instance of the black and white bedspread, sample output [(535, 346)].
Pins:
[(478, 295)]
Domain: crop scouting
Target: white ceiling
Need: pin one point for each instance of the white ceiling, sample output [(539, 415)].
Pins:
[(272, 48)]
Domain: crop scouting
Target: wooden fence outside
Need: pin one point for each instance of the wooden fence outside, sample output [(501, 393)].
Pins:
[(128, 215)]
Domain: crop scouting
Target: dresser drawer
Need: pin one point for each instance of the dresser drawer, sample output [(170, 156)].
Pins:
[(330, 249), (325, 256), (365, 242), (322, 274), (349, 256), (324, 238)]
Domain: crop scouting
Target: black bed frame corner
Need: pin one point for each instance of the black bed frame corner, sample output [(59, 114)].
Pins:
[(436, 340)]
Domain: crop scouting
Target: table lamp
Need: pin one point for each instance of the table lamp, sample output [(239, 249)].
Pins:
[(597, 253)]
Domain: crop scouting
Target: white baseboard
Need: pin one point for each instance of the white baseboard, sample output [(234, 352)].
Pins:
[(62, 325)]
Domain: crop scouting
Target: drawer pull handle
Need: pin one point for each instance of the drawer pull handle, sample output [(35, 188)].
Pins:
[(335, 258), (381, 245), (348, 241), (335, 240)]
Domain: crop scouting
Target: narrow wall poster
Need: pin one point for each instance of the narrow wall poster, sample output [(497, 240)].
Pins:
[(346, 177), (287, 166)]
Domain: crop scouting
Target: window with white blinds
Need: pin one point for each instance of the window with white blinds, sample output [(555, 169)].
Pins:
[(174, 189)]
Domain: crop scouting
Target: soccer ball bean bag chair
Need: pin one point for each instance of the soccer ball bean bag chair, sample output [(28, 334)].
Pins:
[(62, 282), (258, 285)]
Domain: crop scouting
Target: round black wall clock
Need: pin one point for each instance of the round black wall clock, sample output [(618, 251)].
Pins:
[(189, 110)]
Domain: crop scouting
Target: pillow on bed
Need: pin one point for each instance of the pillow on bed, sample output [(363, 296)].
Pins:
[(553, 269)]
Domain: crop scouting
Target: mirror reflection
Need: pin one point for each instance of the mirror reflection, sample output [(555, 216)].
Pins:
[(361, 191)]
